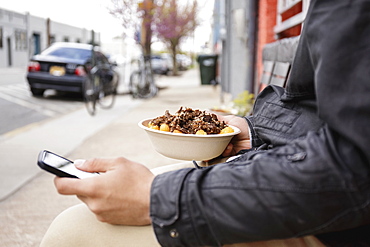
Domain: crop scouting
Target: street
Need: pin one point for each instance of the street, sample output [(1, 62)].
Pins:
[(19, 108)]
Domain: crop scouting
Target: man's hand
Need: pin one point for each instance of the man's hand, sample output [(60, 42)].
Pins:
[(240, 141), (120, 195)]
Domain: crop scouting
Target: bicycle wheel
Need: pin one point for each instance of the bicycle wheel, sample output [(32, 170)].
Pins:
[(107, 95), (135, 79), (146, 87), (89, 97)]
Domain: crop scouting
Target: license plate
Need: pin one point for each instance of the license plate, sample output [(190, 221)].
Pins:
[(57, 70)]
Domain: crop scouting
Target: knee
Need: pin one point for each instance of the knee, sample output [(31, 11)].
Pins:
[(78, 226), (70, 225)]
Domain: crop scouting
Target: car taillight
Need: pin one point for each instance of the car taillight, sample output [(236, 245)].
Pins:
[(33, 66), (80, 71)]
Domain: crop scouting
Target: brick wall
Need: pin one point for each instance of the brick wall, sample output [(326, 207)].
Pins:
[(296, 30), (266, 21), (267, 15)]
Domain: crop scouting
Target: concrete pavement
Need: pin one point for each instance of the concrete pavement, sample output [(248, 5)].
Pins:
[(28, 208), (62, 134)]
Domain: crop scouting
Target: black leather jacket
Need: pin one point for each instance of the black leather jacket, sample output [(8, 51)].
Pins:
[(314, 178)]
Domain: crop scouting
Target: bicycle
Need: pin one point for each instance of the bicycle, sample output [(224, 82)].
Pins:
[(100, 88), (142, 84)]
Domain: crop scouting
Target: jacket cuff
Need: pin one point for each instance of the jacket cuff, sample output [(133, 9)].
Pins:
[(255, 140), (173, 218)]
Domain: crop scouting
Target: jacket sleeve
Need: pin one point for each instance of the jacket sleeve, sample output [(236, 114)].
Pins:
[(316, 178)]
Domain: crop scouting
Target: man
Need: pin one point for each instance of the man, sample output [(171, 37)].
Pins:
[(306, 174)]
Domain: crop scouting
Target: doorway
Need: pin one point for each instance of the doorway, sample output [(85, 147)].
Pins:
[(36, 44), (9, 43)]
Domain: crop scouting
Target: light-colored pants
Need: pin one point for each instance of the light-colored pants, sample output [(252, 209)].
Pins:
[(78, 227)]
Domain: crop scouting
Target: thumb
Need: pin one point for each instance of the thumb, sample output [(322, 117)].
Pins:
[(228, 151), (93, 165)]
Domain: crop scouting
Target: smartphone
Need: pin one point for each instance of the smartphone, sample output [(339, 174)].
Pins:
[(60, 166)]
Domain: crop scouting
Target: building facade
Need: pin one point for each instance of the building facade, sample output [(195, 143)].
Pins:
[(234, 42), (278, 20), (242, 29), (23, 35)]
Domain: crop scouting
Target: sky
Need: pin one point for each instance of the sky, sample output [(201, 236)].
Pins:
[(93, 14), (90, 14)]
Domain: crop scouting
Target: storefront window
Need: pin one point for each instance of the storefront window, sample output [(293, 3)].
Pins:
[(20, 40)]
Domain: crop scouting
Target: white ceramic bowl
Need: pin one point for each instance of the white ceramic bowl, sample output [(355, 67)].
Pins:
[(188, 146)]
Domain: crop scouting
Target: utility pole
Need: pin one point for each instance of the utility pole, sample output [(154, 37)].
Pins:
[(48, 33)]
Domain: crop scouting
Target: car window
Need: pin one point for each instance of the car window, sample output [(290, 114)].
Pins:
[(68, 52)]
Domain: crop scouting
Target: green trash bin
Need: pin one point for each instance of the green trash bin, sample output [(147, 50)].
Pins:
[(207, 66)]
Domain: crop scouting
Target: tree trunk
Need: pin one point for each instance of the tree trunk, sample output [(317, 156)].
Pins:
[(174, 60), (146, 29)]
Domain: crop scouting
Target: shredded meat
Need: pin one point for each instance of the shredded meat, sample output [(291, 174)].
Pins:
[(189, 121)]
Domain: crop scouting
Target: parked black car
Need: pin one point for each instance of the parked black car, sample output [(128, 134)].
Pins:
[(66, 66)]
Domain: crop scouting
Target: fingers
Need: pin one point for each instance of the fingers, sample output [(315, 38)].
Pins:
[(221, 117), (227, 118), (94, 165), (88, 186), (121, 195), (72, 186), (68, 186)]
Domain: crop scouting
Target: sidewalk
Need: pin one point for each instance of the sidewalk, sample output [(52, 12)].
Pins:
[(26, 215)]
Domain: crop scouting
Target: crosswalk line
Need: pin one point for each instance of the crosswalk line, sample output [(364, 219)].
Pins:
[(27, 105), (20, 94)]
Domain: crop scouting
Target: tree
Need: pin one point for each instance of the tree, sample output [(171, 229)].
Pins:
[(170, 21), (131, 13), (127, 11), (173, 22), (147, 9)]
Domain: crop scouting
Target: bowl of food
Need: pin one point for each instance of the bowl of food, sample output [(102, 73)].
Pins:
[(189, 134)]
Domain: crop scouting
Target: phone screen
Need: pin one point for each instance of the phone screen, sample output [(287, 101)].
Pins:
[(64, 165)]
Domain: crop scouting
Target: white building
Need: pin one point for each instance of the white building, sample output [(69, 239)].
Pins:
[(23, 35)]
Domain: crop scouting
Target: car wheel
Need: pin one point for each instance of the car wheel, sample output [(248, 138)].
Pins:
[(37, 92)]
